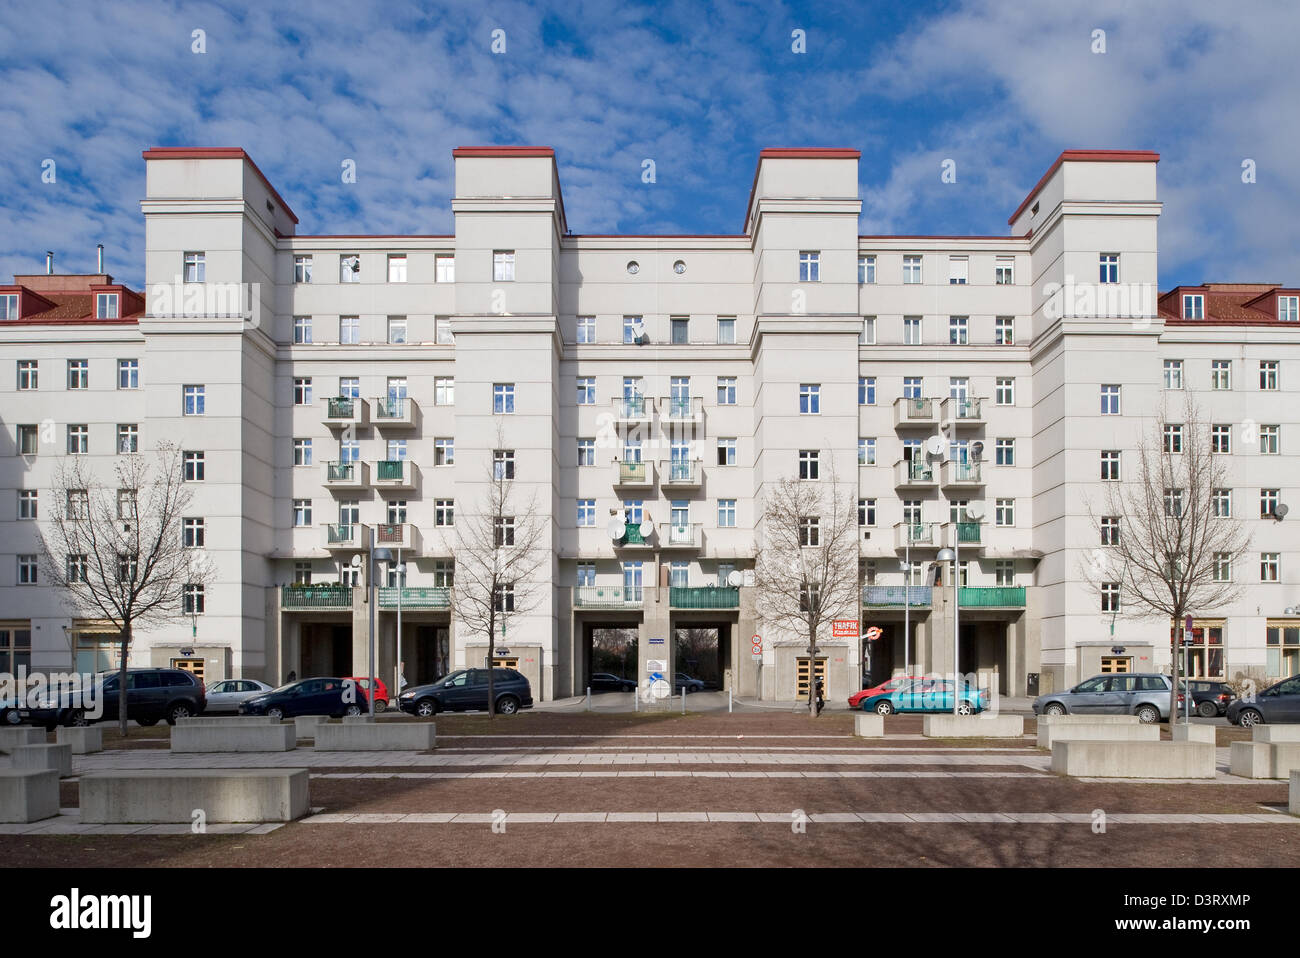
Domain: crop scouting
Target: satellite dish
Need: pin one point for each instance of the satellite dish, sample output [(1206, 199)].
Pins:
[(977, 450), (1280, 510), (646, 529), (975, 510), (616, 528), (735, 579), (936, 445), (356, 561)]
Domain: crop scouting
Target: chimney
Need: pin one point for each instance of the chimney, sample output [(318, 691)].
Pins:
[(49, 262), (100, 259)]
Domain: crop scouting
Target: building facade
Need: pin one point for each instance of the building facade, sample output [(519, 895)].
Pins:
[(334, 393)]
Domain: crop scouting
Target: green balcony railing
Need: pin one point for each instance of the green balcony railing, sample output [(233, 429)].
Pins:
[(632, 407), (338, 532), (342, 408), (919, 533), (918, 408), (895, 596), (1002, 595), (607, 596), (633, 537), (968, 533), (631, 471), (392, 469), (704, 597), (394, 407), (964, 408), (965, 471), (326, 595), (918, 470), (340, 471), (431, 597), (681, 407)]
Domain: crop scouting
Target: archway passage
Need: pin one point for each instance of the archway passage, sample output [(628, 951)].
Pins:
[(611, 651), (703, 651), (326, 649)]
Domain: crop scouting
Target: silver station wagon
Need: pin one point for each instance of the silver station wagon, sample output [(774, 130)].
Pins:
[(1144, 694)]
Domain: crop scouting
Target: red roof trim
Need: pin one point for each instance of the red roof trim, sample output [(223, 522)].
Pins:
[(503, 151), (1262, 321), (795, 153), (216, 153), (1086, 156), (87, 321)]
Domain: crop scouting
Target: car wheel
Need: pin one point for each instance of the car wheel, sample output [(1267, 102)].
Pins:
[(275, 712), (1055, 708), (1207, 710), (1148, 714), (1249, 718), (426, 708), (12, 717), (885, 707), (178, 711), (381, 705), (148, 722), (353, 709), (965, 708), (76, 718), (507, 705)]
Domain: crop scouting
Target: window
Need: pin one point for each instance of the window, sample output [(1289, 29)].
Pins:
[(397, 329), (1004, 331), (810, 532), (192, 603), (78, 504), (503, 398), (958, 387), (193, 466), (504, 600), (302, 452), (1268, 374), (78, 439), (349, 450), (1173, 373), (680, 327), (1283, 643), (810, 266), (1288, 309), (444, 268), (1270, 440), (586, 390), (1222, 567), (1193, 306), (1004, 572), (1173, 438), (9, 306), (193, 533), (195, 268), (444, 452), (958, 330), (586, 574), (958, 270), (1110, 597), (503, 266), (503, 464), (444, 512), (1173, 503), (586, 329), (1221, 439), (27, 570), (193, 400), (726, 513), (912, 387), (911, 330), (1005, 512), (1221, 374), (128, 437), (1221, 503), (1270, 566), (1110, 465), (27, 440), (586, 512), (1005, 452), (867, 452), (586, 452), (349, 387), (866, 512), (77, 565), (78, 374), (302, 329), (397, 267), (726, 452), (632, 329), (911, 269), (128, 374), (27, 504), (1268, 502), (866, 269), (503, 531), (396, 512), (727, 330), (442, 331), (349, 268), (1004, 273), (1004, 392), (810, 399), (302, 391), (866, 390), (1108, 268), (867, 337), (27, 374), (1110, 530), (809, 463), (302, 269), (396, 450), (726, 390), (1110, 400), (349, 330)]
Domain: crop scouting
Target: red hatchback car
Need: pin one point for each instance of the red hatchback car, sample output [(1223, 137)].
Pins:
[(381, 696), (857, 698)]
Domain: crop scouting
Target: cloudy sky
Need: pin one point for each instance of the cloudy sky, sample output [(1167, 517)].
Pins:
[(998, 87)]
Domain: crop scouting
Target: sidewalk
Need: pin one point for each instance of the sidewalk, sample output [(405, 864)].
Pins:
[(717, 702)]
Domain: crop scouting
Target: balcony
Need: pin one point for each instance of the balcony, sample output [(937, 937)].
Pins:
[(914, 474), (683, 536), (632, 538), (633, 409), (681, 409), (703, 597), (347, 475), (396, 413), (896, 596), (634, 475), (963, 412), (681, 473), (997, 597), (341, 411), (962, 474), (607, 597), (323, 597), (969, 533), (396, 474), (916, 535), (401, 535), (415, 599), (342, 537), (920, 413)]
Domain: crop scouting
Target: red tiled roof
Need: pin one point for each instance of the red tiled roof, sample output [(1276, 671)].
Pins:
[(1232, 304)]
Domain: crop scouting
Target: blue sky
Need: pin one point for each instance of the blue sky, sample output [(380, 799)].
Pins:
[(999, 87)]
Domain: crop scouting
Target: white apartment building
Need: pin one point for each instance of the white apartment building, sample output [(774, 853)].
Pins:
[(646, 391)]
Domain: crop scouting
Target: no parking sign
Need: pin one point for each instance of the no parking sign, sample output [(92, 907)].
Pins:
[(756, 647)]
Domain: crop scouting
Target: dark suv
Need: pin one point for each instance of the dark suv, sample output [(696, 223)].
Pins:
[(1210, 699), (467, 689), (151, 694)]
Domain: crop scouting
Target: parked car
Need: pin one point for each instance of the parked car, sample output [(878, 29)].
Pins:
[(151, 695), (225, 696), (1277, 703), (1210, 699), (1144, 694), (605, 682), (928, 695), (467, 689), (898, 681), (319, 696), (381, 696), (682, 681)]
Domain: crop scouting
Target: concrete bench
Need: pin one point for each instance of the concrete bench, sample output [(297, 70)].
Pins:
[(226, 737), (129, 796), (1263, 759), (1110, 732), (28, 794), (12, 736), (1086, 719), (1194, 733), (227, 720), (869, 725), (374, 736), (1293, 803), (358, 719), (1133, 759), (82, 739), (305, 725), (42, 757), (984, 725), (1275, 733)]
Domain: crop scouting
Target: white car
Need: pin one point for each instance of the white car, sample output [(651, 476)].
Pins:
[(226, 695)]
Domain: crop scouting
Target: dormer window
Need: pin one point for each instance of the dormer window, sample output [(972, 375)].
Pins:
[(106, 306), (1288, 309), (9, 306), (1193, 306)]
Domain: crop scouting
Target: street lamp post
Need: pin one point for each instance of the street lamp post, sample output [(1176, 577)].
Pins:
[(376, 555), (907, 603), (950, 555), (397, 645)]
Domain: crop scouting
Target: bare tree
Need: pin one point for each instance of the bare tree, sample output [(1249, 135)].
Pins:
[(806, 572), (499, 553), (117, 549), (1162, 541)]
